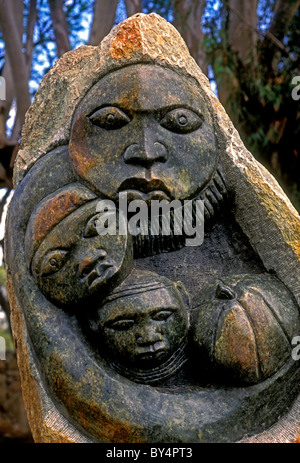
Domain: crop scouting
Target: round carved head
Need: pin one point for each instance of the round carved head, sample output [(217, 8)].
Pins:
[(68, 257), (145, 130), (143, 321)]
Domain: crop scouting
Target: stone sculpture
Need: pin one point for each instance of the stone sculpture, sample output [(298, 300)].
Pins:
[(142, 326), (139, 337)]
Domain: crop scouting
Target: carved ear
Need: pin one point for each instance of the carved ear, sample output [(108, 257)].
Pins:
[(184, 294)]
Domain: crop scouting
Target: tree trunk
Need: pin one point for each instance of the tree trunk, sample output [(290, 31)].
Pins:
[(60, 27), (133, 7), (284, 12), (187, 19), (238, 53), (103, 20), (32, 16), (242, 29), (13, 48)]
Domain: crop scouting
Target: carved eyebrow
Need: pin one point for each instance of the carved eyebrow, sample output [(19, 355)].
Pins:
[(164, 309), (164, 110), (160, 112), (126, 317), (107, 105), (41, 254), (135, 315)]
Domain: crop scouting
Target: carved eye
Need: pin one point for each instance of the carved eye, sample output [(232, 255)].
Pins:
[(162, 315), (91, 227), (53, 262), (109, 118), (181, 120), (122, 325)]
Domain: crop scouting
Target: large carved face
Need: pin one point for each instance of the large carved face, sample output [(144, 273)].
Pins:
[(143, 329), (74, 262), (144, 130)]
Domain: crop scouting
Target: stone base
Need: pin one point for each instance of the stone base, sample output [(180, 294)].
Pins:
[(48, 425)]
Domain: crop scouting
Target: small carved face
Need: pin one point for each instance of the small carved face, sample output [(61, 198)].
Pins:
[(142, 329), (74, 261), (143, 130)]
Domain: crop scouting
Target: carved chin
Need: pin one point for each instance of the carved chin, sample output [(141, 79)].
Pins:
[(155, 374), (213, 195)]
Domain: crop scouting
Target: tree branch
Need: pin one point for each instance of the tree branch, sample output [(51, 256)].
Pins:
[(60, 27), (284, 13), (32, 16)]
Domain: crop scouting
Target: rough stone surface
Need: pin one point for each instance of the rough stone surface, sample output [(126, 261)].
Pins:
[(256, 231)]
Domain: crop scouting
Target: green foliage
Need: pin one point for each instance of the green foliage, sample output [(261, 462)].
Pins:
[(2, 276), (259, 95)]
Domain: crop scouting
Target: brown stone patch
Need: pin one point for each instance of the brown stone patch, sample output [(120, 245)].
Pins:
[(83, 163), (54, 211), (127, 42), (236, 344)]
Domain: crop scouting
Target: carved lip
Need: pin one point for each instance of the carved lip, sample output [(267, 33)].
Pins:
[(152, 351), (101, 271), (141, 185)]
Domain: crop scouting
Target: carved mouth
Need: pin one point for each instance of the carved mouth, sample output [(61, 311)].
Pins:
[(100, 272), (145, 189), (151, 352)]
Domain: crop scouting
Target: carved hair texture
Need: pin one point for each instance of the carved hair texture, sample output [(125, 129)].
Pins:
[(51, 211), (214, 195)]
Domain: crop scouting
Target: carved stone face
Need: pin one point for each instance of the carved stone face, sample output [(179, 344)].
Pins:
[(145, 130), (143, 329), (74, 262)]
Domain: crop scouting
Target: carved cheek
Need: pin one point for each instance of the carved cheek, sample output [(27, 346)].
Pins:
[(124, 343), (81, 156)]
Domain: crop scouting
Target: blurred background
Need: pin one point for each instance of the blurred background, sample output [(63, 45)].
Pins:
[(249, 50)]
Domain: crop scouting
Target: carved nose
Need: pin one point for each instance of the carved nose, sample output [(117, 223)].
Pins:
[(148, 338), (145, 153), (87, 264)]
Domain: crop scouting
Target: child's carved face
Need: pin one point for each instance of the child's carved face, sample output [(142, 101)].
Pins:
[(74, 262), (142, 329)]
